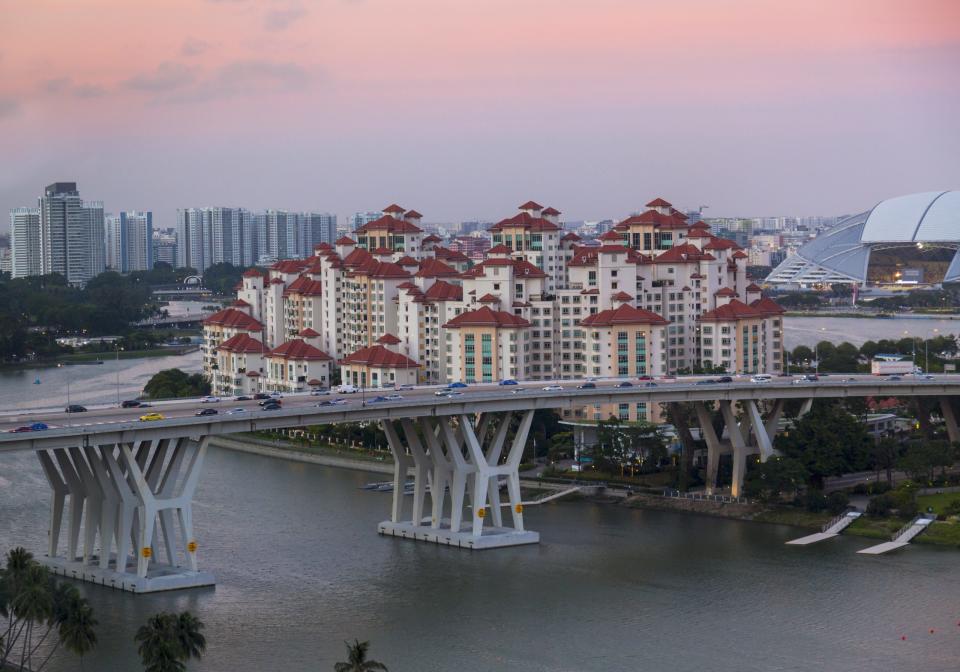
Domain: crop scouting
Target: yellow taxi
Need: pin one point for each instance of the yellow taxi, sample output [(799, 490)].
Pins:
[(151, 416)]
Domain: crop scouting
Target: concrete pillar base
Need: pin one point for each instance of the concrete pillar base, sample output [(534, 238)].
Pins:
[(161, 577), (490, 537)]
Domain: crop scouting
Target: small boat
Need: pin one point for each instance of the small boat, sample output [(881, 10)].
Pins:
[(36, 380)]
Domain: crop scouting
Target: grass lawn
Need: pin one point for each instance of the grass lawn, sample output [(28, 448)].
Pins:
[(794, 516), (938, 502), (940, 533)]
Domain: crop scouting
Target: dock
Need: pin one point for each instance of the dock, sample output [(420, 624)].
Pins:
[(901, 538), (829, 531)]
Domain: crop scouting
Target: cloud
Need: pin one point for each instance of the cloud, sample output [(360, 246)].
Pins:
[(255, 76), (194, 47), (169, 76), (281, 19), (8, 107), (66, 85)]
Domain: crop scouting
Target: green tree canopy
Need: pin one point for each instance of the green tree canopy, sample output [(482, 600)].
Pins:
[(174, 383), (827, 441)]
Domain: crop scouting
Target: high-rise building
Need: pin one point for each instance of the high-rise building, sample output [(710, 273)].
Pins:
[(136, 241), (191, 247), (111, 241), (358, 219), (25, 252), (71, 234)]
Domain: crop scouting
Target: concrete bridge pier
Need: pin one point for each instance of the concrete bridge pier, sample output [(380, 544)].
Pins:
[(117, 493), (950, 419), (466, 457)]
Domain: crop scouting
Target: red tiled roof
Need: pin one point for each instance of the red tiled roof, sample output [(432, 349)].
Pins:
[(526, 221), (434, 268), (450, 255), (432, 239), (622, 296), (290, 265), (412, 214), (388, 339), (233, 319), (253, 374), (444, 291), (570, 236), (699, 233), (489, 298), (720, 244), (656, 219), (500, 249), (551, 211), (734, 310), (308, 333), (700, 225), (521, 268), (612, 235), (754, 287), (313, 382), (241, 344), (345, 240), (298, 349), (740, 254), (304, 286), (252, 273), (531, 205), (378, 357), (724, 291), (240, 303), (659, 203), (486, 317), (381, 251), (681, 254), (407, 260), (393, 208), (767, 306), (390, 224), (625, 314)]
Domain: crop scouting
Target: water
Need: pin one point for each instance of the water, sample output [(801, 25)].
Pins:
[(86, 384), (811, 330), (300, 568)]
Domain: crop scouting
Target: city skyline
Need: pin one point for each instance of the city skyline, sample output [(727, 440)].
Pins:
[(752, 108)]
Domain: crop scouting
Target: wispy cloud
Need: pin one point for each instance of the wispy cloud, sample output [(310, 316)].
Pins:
[(8, 107), (281, 19), (66, 85), (194, 47), (169, 76)]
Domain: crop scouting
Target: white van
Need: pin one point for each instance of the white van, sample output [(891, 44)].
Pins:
[(346, 388), (761, 378)]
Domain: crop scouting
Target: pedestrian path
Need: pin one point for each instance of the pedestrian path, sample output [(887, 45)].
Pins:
[(901, 538), (830, 530)]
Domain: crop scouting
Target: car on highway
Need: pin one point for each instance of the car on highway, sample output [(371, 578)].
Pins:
[(150, 417), (236, 411), (642, 378), (242, 397), (448, 393), (347, 388), (206, 411), (650, 384), (894, 378), (668, 378), (552, 388), (508, 381), (270, 400), (587, 386), (319, 392), (131, 403), (706, 381), (76, 408), (627, 383), (210, 399), (261, 395), (761, 378), (394, 397), (518, 390), (402, 388), (32, 427), (456, 385), (272, 406), (275, 395), (724, 379)]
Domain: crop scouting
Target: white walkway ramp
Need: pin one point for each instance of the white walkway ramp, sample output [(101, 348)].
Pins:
[(902, 538), (830, 530)]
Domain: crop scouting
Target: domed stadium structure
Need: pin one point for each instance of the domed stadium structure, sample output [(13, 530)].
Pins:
[(907, 240)]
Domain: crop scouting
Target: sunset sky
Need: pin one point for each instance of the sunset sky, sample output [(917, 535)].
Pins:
[(466, 108)]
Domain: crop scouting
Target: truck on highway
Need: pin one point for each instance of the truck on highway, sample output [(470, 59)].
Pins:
[(892, 365)]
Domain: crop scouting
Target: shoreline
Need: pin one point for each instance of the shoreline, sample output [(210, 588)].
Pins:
[(878, 529)]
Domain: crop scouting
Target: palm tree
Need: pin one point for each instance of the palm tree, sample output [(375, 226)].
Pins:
[(158, 645), (192, 643), (167, 641), (76, 626), (357, 659)]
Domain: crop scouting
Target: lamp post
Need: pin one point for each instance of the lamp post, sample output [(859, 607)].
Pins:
[(117, 348)]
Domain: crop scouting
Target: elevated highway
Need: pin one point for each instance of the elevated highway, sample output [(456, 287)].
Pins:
[(122, 488)]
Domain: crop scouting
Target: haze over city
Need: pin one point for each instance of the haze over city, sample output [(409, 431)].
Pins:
[(465, 110)]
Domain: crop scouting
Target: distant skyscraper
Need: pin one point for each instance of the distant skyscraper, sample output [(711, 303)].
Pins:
[(136, 241), (279, 228), (165, 246), (71, 234), (315, 228), (111, 237), (25, 254), (191, 247), (358, 219)]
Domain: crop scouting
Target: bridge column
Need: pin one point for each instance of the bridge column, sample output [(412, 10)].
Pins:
[(714, 447), (466, 456), (760, 431), (739, 448), (950, 419), (118, 493)]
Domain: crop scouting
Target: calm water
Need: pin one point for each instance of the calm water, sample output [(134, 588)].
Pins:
[(300, 568), (811, 330)]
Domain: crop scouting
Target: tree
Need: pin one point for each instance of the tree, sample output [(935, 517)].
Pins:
[(167, 641), (35, 607), (828, 441), (886, 452), (174, 383), (775, 477), (222, 277), (357, 659)]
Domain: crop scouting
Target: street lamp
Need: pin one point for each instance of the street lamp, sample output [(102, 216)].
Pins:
[(116, 346)]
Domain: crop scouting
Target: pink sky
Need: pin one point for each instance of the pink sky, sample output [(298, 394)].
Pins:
[(465, 108)]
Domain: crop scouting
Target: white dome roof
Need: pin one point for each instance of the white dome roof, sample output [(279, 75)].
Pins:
[(930, 216)]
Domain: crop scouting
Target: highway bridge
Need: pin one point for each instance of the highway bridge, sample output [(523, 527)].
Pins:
[(129, 483)]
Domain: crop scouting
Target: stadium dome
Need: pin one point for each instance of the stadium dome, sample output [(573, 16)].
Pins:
[(907, 240)]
